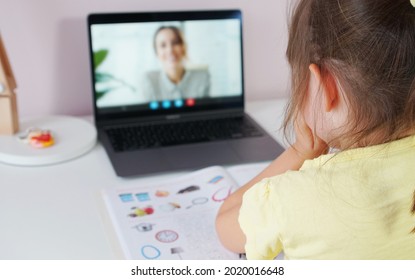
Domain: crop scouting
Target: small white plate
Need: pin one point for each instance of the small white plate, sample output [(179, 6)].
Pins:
[(73, 138)]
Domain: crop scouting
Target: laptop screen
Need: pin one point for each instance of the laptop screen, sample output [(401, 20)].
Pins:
[(163, 63)]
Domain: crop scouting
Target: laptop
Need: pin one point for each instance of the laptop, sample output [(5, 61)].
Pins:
[(168, 92)]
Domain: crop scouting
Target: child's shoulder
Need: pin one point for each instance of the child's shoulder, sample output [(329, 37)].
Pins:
[(289, 184)]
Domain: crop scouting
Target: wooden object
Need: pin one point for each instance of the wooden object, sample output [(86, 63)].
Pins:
[(9, 122)]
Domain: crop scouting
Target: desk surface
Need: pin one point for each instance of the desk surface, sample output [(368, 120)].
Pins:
[(55, 212)]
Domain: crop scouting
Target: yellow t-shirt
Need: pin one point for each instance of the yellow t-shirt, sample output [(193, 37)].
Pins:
[(352, 205)]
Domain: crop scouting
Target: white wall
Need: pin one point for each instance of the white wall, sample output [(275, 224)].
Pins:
[(46, 41)]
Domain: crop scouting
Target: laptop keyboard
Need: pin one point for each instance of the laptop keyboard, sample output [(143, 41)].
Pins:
[(135, 137)]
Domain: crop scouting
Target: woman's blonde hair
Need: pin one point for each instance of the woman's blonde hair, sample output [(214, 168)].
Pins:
[(369, 47)]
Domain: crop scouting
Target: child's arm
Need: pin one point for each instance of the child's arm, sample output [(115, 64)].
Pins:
[(306, 147)]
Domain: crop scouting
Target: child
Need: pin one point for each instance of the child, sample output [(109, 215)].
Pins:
[(353, 89)]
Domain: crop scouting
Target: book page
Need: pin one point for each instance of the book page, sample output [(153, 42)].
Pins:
[(173, 219)]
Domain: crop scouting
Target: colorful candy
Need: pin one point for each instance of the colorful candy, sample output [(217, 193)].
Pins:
[(38, 138)]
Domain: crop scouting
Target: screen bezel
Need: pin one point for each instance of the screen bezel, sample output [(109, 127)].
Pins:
[(133, 111)]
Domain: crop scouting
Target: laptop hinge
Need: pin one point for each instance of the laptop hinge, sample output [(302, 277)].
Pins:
[(173, 117)]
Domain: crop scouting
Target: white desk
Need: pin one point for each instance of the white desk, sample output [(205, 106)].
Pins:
[(55, 212)]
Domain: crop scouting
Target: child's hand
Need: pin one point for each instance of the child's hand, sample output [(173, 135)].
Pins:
[(307, 144)]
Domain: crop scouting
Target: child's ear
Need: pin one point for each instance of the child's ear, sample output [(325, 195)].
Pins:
[(327, 86)]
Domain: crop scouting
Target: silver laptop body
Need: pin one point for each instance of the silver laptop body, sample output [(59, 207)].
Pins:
[(124, 66)]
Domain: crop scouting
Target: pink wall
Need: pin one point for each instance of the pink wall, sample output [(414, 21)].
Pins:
[(46, 41)]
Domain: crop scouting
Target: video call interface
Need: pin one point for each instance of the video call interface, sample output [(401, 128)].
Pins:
[(168, 65)]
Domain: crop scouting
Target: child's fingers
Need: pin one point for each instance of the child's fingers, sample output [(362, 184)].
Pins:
[(303, 130), (307, 142)]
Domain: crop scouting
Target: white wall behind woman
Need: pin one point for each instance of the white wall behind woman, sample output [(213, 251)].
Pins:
[(46, 41)]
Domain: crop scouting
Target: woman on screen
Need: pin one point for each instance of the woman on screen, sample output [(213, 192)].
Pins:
[(174, 81)]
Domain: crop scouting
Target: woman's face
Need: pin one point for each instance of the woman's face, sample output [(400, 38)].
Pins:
[(169, 48)]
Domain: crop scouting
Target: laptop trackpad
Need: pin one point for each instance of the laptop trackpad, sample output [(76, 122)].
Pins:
[(200, 155)]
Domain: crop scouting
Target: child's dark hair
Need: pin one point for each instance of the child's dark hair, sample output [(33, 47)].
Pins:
[(369, 47)]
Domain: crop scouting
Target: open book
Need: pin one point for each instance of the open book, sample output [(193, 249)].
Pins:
[(175, 219)]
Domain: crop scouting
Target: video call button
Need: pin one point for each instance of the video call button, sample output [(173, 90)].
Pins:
[(154, 105), (190, 102), (178, 103), (166, 104)]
